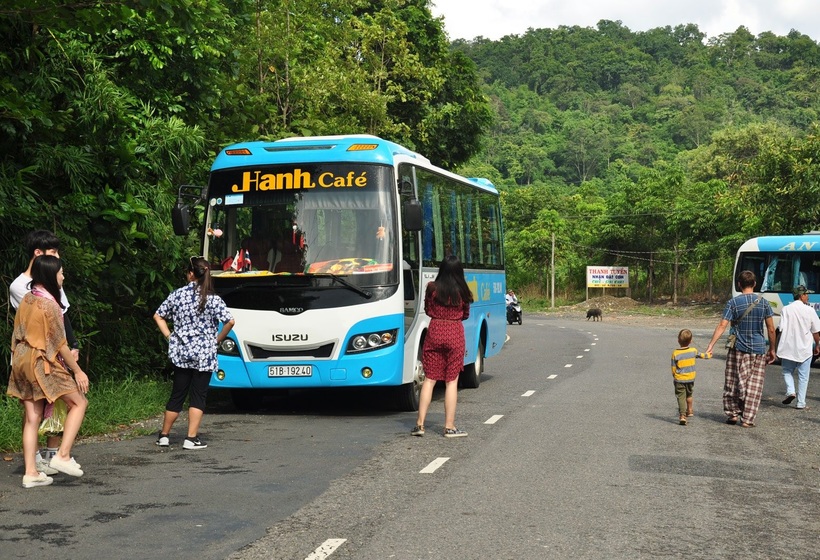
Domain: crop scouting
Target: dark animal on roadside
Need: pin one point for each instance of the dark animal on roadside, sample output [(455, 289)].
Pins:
[(595, 313)]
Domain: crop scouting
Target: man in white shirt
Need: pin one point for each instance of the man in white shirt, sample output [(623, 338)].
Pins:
[(799, 328)]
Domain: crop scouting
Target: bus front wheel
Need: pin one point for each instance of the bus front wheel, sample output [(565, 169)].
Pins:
[(471, 376), (407, 395)]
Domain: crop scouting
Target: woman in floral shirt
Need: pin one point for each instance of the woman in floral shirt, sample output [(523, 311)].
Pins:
[(195, 311)]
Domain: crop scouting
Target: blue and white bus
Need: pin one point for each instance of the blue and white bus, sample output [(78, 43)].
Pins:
[(321, 247), (781, 263)]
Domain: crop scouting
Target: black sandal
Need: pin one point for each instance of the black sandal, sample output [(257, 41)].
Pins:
[(732, 420)]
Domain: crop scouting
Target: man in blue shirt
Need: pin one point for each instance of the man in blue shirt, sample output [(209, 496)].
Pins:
[(746, 362)]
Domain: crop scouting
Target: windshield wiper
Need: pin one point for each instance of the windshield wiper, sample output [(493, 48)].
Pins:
[(364, 293)]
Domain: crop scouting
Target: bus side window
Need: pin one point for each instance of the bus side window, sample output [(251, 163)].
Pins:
[(808, 278)]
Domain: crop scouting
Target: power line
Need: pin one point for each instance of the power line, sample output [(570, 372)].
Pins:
[(633, 254)]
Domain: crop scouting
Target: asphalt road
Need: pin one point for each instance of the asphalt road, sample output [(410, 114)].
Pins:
[(574, 452)]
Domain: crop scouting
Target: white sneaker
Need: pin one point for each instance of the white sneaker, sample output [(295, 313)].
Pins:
[(193, 443), (40, 480), (69, 467), (42, 466), (163, 441)]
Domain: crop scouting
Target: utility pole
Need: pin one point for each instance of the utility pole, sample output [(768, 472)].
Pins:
[(552, 273)]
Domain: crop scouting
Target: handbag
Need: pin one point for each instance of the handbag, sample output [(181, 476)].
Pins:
[(54, 418), (731, 340)]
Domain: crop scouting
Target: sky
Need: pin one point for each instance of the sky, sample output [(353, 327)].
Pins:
[(493, 19)]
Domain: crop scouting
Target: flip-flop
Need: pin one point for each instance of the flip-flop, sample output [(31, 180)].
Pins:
[(747, 425), (732, 420), (789, 399)]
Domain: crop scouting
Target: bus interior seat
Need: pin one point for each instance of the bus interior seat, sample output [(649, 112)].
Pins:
[(259, 252), (291, 259)]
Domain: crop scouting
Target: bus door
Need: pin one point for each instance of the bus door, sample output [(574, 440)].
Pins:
[(411, 253)]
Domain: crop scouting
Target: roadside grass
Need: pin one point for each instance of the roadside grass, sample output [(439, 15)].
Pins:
[(112, 404), (704, 310)]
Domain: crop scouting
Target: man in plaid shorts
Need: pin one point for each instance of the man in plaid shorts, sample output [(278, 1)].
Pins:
[(746, 362)]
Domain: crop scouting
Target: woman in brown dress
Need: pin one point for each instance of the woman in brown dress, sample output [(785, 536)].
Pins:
[(447, 303), (40, 364)]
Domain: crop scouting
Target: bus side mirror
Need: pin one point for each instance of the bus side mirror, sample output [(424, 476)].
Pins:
[(413, 219), (180, 213), (180, 219)]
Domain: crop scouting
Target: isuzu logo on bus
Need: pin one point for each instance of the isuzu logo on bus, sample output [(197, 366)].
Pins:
[(296, 337), (296, 180)]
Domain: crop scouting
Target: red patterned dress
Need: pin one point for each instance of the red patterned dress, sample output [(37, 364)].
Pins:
[(443, 354)]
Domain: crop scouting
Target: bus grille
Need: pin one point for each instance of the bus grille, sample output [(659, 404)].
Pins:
[(259, 353)]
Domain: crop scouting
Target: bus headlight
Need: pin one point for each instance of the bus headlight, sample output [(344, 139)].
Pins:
[(228, 346), (366, 342)]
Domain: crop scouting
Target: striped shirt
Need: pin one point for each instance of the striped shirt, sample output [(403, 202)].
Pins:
[(683, 363)]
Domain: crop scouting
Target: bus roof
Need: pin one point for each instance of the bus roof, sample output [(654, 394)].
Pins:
[(357, 148), (363, 148), (802, 242)]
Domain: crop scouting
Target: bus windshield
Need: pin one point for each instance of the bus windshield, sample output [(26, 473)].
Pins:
[(310, 219), (780, 271)]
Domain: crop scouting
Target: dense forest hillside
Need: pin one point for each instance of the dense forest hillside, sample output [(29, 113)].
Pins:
[(655, 150), (658, 150)]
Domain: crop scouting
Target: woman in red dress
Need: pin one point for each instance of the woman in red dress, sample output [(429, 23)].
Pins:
[(447, 303)]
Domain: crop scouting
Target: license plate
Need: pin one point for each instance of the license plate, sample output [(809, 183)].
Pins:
[(290, 371)]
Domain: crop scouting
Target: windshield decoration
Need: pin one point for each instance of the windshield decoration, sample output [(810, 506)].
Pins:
[(348, 266)]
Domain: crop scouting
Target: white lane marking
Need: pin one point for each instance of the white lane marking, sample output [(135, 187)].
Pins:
[(579, 357), (434, 465), (553, 376), (528, 394), (494, 418), (586, 349), (593, 344), (326, 549), (568, 365)]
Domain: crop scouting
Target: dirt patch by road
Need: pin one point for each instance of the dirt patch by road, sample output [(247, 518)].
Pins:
[(628, 311)]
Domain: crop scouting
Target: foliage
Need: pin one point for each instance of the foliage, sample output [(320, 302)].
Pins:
[(106, 107), (682, 147), (113, 402), (660, 150)]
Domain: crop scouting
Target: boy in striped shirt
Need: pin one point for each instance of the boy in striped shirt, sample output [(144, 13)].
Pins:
[(683, 373)]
